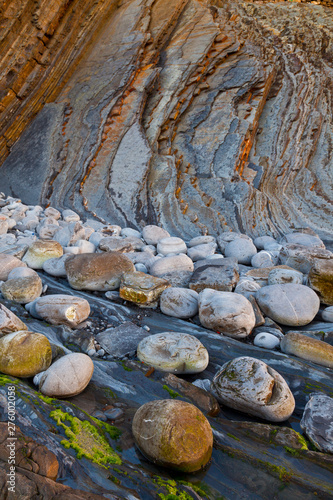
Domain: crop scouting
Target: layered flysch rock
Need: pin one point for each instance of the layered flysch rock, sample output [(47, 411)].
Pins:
[(198, 115)]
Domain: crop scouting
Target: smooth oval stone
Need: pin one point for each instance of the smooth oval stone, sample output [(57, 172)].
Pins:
[(173, 352), (9, 322), (204, 251), (7, 264), (85, 246), (226, 312), (290, 304), (153, 234), (228, 236), (171, 264), (173, 434), (40, 251), (128, 231), (52, 212), (179, 302), (141, 268), (70, 216), (95, 271), (62, 309), (22, 290), (67, 377), (247, 287), (250, 386), (327, 315), (115, 244), (242, 249), (261, 241), (266, 340), (263, 259), (171, 245), (21, 272), (56, 267), (24, 354), (317, 421), (201, 240), (283, 276), (308, 348)]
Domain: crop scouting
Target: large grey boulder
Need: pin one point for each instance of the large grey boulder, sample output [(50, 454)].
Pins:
[(226, 312), (289, 304)]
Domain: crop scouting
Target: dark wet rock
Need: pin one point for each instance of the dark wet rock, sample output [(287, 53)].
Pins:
[(206, 401), (317, 421), (123, 340)]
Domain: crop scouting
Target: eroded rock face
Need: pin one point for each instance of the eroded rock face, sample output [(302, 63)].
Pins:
[(173, 434), (100, 272), (137, 146), (249, 385)]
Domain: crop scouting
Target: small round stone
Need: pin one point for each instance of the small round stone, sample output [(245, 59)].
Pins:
[(40, 251), (282, 276), (67, 377), (327, 315), (170, 265), (7, 264), (173, 434), (24, 354), (266, 340), (153, 234), (242, 249), (21, 272), (200, 252), (173, 352), (201, 240), (179, 302), (169, 245), (22, 290)]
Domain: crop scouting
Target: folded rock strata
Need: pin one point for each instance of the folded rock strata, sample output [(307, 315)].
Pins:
[(199, 115)]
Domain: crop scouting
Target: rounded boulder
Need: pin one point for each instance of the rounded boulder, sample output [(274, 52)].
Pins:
[(289, 304), (24, 354), (173, 434), (67, 377)]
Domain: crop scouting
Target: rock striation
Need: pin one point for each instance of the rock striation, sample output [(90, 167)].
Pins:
[(124, 128)]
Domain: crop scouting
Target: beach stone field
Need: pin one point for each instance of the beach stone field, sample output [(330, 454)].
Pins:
[(166, 363)]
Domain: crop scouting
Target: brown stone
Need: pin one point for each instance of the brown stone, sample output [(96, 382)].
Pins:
[(141, 288), (22, 290), (173, 434), (9, 322), (321, 280), (100, 271)]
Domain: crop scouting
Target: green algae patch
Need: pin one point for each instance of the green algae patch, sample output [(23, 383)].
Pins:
[(86, 439), (5, 380), (171, 487), (173, 394)]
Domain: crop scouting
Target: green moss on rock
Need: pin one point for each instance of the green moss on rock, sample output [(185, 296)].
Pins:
[(85, 438)]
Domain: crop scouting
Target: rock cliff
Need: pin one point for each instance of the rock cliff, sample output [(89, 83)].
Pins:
[(200, 115)]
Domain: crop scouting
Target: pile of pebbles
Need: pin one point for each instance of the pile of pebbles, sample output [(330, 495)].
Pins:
[(234, 285)]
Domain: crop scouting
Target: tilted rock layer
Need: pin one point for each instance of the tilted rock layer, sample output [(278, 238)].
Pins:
[(198, 115)]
